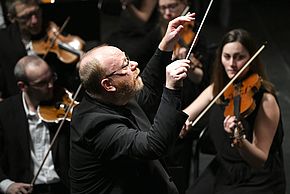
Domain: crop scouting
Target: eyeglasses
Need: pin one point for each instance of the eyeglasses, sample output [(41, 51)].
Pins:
[(125, 66), (171, 7), (27, 16), (44, 83)]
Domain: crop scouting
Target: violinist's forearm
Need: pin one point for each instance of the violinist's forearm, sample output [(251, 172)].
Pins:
[(192, 110), (252, 154), (198, 105), (267, 119)]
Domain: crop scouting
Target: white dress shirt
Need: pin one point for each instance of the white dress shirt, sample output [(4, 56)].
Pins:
[(40, 142)]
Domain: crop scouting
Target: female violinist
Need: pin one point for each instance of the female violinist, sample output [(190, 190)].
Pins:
[(250, 159), (179, 160)]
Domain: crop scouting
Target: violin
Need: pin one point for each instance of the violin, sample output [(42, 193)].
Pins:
[(59, 108), (67, 48), (186, 37), (241, 103), (187, 41), (244, 90)]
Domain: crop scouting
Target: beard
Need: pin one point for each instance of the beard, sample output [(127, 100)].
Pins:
[(41, 95), (129, 89)]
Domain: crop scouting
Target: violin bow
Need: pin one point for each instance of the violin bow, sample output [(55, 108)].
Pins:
[(185, 11), (64, 24), (198, 31), (226, 87), (56, 134), (65, 116), (52, 42)]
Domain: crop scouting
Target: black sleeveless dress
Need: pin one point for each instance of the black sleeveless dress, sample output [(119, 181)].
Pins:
[(228, 173)]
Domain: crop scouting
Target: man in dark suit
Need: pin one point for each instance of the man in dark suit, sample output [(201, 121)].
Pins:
[(25, 138), (114, 147)]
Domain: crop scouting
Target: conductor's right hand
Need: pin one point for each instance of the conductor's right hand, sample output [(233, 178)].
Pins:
[(17, 188), (175, 73)]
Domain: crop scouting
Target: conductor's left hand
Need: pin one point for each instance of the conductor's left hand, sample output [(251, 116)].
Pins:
[(174, 28)]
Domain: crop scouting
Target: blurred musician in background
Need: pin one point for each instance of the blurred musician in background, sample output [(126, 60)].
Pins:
[(19, 39), (133, 33)]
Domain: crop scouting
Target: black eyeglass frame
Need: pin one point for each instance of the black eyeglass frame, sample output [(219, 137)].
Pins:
[(124, 65)]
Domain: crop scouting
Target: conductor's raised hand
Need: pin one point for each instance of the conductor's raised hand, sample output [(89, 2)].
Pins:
[(174, 28), (175, 73)]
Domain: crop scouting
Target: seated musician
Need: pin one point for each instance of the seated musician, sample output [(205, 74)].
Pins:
[(248, 139), (25, 139)]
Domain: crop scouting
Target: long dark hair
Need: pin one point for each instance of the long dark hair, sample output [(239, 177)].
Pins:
[(220, 78)]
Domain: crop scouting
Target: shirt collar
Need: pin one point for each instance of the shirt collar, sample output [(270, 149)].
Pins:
[(28, 113)]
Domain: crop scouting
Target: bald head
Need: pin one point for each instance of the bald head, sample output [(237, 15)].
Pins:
[(101, 56), (25, 63), (96, 64)]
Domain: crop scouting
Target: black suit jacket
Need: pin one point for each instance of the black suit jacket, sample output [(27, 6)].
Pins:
[(11, 50), (15, 158), (115, 149)]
